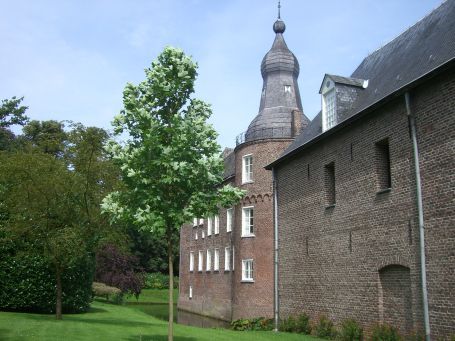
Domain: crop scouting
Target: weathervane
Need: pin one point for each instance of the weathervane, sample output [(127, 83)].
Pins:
[(279, 7)]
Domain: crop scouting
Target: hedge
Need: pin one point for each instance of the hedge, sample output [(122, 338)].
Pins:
[(28, 284)]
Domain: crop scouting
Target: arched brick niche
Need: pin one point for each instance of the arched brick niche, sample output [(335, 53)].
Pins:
[(395, 297)]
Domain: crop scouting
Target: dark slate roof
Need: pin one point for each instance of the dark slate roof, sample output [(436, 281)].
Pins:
[(279, 67), (279, 58), (424, 47), (344, 80), (229, 163)]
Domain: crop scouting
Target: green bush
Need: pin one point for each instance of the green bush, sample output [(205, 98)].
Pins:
[(300, 324), (350, 331), (303, 324), (288, 325), (157, 280), (325, 328), (28, 284), (259, 323), (385, 332)]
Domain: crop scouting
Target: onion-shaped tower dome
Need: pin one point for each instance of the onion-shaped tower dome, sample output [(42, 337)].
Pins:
[(280, 92)]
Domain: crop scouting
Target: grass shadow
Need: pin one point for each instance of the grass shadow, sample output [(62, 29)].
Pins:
[(158, 338), (4, 333), (106, 321), (96, 310)]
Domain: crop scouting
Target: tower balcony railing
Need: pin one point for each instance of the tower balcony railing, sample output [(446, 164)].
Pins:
[(263, 133)]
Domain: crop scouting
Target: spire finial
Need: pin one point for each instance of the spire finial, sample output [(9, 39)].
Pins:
[(279, 25)]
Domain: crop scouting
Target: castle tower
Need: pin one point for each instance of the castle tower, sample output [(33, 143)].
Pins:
[(226, 263), (280, 94), (279, 120)]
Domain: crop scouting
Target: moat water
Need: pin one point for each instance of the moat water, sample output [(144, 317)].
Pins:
[(161, 312)]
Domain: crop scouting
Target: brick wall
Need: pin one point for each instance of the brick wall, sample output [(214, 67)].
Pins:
[(336, 260), (223, 294)]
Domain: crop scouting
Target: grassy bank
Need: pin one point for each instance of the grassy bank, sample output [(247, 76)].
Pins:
[(111, 322), (153, 296)]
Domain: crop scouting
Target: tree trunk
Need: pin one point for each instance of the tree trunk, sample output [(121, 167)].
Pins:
[(58, 308), (170, 334)]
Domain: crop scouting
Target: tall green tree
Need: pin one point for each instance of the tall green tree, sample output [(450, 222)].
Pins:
[(47, 136), (51, 191), (171, 163), (42, 199), (11, 113)]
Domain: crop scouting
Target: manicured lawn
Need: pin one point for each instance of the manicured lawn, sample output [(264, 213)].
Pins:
[(106, 321), (111, 322)]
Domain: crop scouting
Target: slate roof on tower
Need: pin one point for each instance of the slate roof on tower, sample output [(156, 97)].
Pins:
[(280, 93)]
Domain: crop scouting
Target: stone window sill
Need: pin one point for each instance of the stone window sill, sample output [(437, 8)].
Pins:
[(247, 182), (328, 207), (249, 236), (385, 190), (247, 281)]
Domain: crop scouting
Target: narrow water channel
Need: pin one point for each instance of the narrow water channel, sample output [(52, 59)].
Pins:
[(161, 312)]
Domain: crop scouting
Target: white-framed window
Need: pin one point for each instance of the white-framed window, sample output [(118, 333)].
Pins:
[(247, 270), (287, 89), (200, 261), (195, 235), (216, 260), (248, 221), (191, 292), (329, 115), (209, 226), (247, 168), (229, 212), (191, 261), (208, 264), (194, 222), (217, 224), (201, 221), (203, 234), (227, 258)]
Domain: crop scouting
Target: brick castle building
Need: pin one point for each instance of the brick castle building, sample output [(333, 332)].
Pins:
[(348, 208), (226, 261), (363, 195)]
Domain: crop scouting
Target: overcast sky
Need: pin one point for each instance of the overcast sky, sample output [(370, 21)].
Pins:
[(72, 59)]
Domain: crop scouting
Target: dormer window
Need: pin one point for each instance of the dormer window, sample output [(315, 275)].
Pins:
[(329, 100), (338, 95), (329, 114)]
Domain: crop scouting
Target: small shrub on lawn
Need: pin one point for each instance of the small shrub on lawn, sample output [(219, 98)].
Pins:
[(103, 290), (158, 280), (350, 331), (259, 323), (385, 332), (303, 324), (288, 325), (300, 324), (325, 328)]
